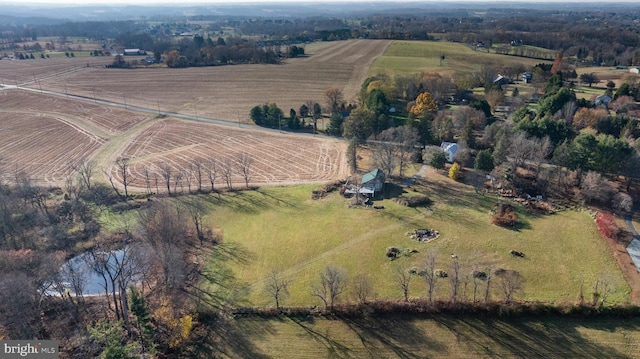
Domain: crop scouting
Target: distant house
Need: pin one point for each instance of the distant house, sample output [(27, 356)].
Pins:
[(635, 70), (501, 80), (526, 77), (602, 99), (372, 182), (450, 150), (132, 52)]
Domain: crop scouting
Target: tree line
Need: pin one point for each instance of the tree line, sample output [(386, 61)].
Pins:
[(464, 280), (199, 176)]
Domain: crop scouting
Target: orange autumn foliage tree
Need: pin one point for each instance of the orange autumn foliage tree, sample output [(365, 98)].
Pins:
[(425, 104)]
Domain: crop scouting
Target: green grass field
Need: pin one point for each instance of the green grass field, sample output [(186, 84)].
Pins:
[(408, 57), (438, 337), (282, 229)]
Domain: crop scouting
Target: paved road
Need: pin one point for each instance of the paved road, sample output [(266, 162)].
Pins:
[(629, 219)]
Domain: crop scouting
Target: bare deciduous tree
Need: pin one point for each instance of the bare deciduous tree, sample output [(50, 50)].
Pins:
[(465, 114), (383, 154), (454, 277), (600, 290), (541, 152), (212, 172), (430, 276), (109, 175), (334, 98), (363, 288), (196, 212), (17, 294), (244, 161), (488, 280), (408, 138), (226, 170), (147, 179), (85, 170), (188, 176), (394, 148), (197, 171), (622, 202), (333, 282), (521, 150), (178, 181), (122, 166), (511, 283), (166, 175), (594, 187), (76, 277), (403, 279), (277, 287), (164, 228)]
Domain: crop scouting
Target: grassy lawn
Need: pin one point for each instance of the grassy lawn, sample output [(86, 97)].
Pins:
[(282, 229), (408, 57), (441, 337)]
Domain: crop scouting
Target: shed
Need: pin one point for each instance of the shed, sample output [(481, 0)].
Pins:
[(450, 150), (635, 70), (372, 182), (527, 77), (501, 80), (602, 99), (130, 52)]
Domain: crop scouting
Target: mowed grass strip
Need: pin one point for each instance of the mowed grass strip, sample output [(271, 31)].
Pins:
[(409, 57), (441, 337), (284, 230)]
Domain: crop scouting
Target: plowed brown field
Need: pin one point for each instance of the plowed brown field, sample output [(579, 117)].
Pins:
[(43, 145), (44, 133), (222, 92), (110, 120), (278, 158)]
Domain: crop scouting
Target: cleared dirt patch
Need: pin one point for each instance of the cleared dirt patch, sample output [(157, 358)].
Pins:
[(278, 158)]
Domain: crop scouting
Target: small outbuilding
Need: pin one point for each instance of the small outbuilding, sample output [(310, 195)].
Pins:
[(132, 52), (602, 99), (501, 80), (635, 70)]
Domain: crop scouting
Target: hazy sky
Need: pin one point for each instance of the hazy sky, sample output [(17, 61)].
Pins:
[(214, 2)]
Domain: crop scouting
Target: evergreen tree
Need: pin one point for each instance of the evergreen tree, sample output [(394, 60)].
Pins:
[(335, 125), (484, 161), (438, 160), (502, 147), (143, 320), (467, 135), (352, 154), (109, 334)]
